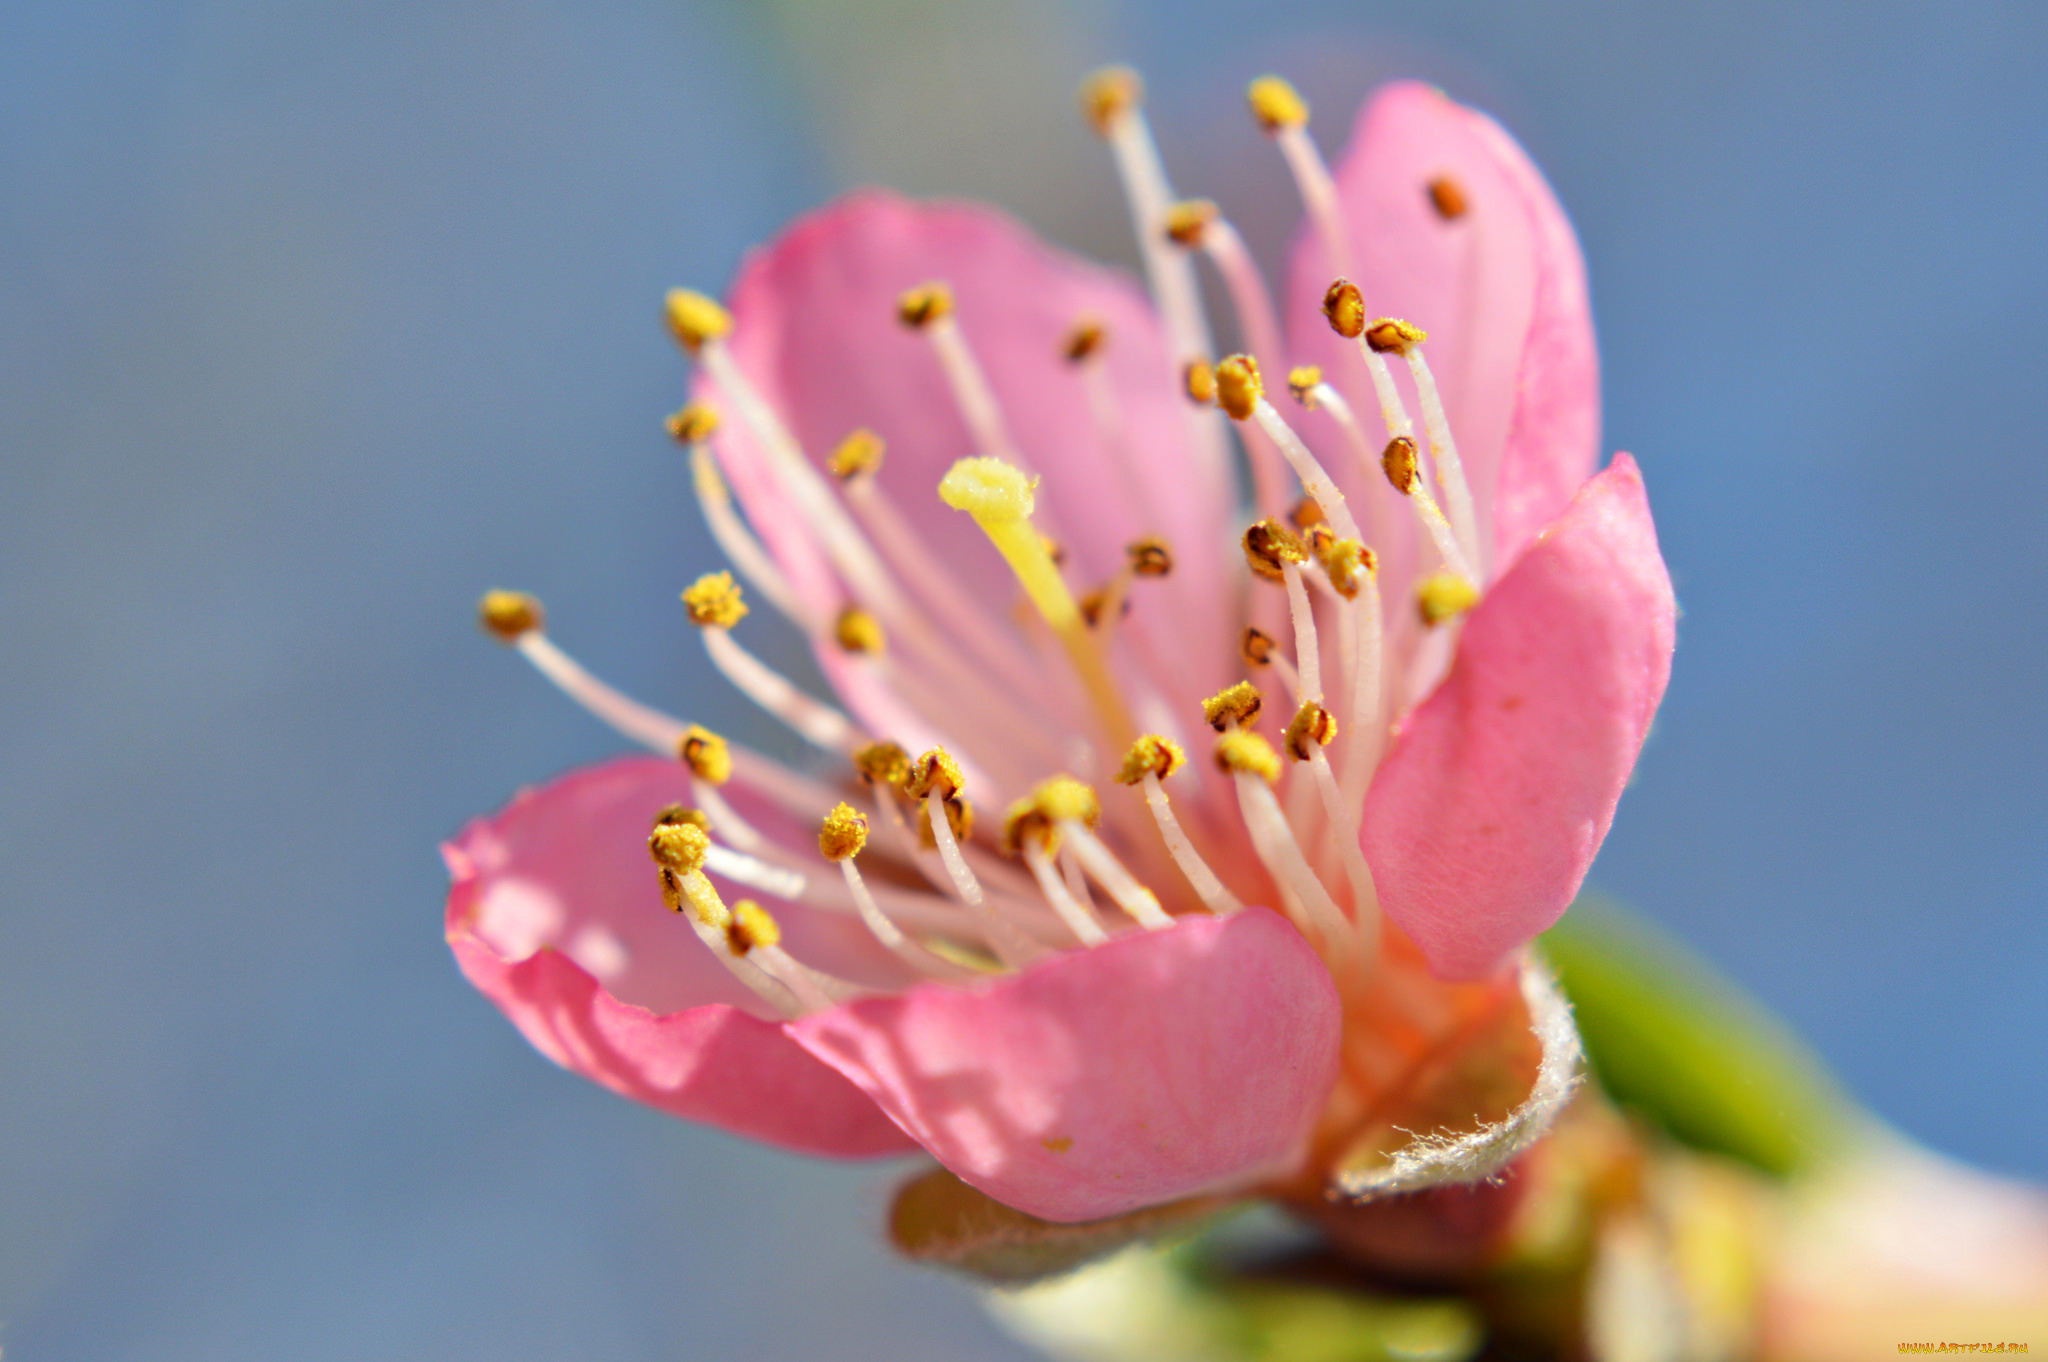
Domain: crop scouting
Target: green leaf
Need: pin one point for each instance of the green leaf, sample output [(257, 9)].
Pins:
[(1675, 1041)]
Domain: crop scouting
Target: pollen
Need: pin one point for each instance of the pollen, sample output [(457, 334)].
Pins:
[(1392, 336), (935, 770), (1255, 647), (1447, 196), (1064, 797), (1399, 459), (919, 307), (989, 490), (1302, 381), (882, 763), (1108, 94), (1152, 754), (751, 926), (1188, 219), (706, 754), (1276, 103), (1150, 557), (1311, 724), (844, 833), (508, 614), (959, 818), (1199, 381), (693, 423), (1245, 751), (860, 452), (1239, 387), (713, 601), (1234, 704), (1344, 306), (1269, 545), (675, 814), (859, 632), (1085, 338), (1444, 595), (695, 318), (680, 847), (1350, 566)]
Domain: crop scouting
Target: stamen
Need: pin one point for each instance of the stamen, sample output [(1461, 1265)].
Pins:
[(1311, 731), (934, 779), (928, 308), (1151, 759), (1442, 596), (510, 615), (1257, 649), (842, 836), (858, 455), (1029, 834), (715, 605), (1403, 470), (1307, 650), (736, 541), (1198, 378), (1283, 113), (1233, 707), (695, 319), (680, 851), (1253, 765), (754, 935), (1450, 470), (1344, 307), (1071, 807), (1448, 198), (859, 632), (1241, 392)]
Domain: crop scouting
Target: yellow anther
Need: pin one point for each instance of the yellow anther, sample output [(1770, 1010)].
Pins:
[(1199, 379), (695, 318), (1276, 103), (1237, 704), (1255, 646), (706, 754), (1311, 724), (1108, 94), (989, 490), (882, 763), (1350, 566), (674, 814), (860, 452), (671, 890), (859, 632), (1444, 595), (1269, 546), (751, 926), (508, 614), (1245, 751), (959, 818), (1320, 537), (1447, 196), (1344, 306), (1086, 337), (1399, 459), (680, 847), (1025, 822), (844, 833), (1302, 381), (935, 770), (1094, 603), (1064, 797), (713, 601), (1152, 754), (921, 306), (1150, 557), (1392, 336), (1187, 220), (693, 423), (1238, 386), (1307, 512)]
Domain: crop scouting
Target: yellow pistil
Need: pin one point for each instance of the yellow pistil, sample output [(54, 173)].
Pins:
[(1240, 750), (1239, 387), (693, 423), (1269, 546), (1344, 306), (844, 833), (859, 632), (508, 614), (1350, 566), (1392, 336), (1001, 499), (694, 318), (679, 846), (1276, 103), (935, 770), (751, 926), (1108, 94), (1444, 595), (1086, 338), (1311, 724), (883, 763), (1448, 198), (1302, 381), (919, 307), (1199, 380), (860, 452), (713, 601), (1150, 557), (1188, 219), (1237, 704), (959, 818), (706, 754), (1401, 465), (1255, 647), (1153, 755)]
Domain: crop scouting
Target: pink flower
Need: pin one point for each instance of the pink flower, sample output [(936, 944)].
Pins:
[(1069, 1003)]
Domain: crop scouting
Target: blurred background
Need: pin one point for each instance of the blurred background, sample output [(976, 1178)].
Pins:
[(317, 318)]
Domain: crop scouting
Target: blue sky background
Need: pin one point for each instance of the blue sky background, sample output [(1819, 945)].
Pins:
[(318, 317)]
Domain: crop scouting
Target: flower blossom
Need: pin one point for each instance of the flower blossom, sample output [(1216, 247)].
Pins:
[(1210, 734)]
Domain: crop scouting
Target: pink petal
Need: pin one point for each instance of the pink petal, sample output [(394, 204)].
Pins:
[(1154, 1067), (1481, 823), (1501, 291), (554, 915)]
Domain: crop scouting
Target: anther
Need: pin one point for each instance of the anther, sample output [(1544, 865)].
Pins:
[(751, 926), (1086, 338), (859, 453), (1392, 336), (1239, 387), (1150, 557), (1276, 103), (1399, 460), (959, 821), (1344, 306), (1025, 824), (706, 754), (1096, 604), (1238, 704), (1448, 198), (1302, 381), (1109, 93), (1350, 566), (1442, 596), (676, 815), (679, 846), (508, 615), (1153, 755), (1054, 550), (859, 632), (1269, 546), (1306, 515), (1152, 759), (1311, 724), (1255, 647), (843, 834), (695, 318), (882, 763), (693, 423), (713, 601), (1241, 750), (934, 771), (919, 307), (1188, 220), (1198, 379), (1063, 797)]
